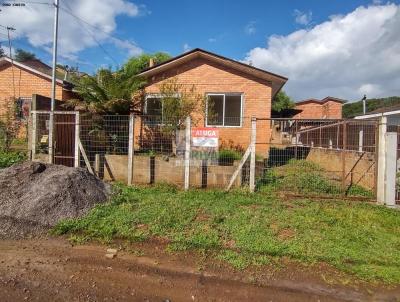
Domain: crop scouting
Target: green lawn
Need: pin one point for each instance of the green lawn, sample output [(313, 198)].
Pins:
[(251, 229)]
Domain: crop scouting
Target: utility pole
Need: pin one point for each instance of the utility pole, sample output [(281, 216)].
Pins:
[(11, 57), (53, 83)]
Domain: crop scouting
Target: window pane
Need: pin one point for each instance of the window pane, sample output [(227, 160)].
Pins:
[(215, 106), (232, 110), (154, 109)]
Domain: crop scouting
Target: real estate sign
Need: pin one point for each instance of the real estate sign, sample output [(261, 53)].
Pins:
[(205, 137)]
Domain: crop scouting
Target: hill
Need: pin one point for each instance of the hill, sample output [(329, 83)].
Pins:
[(353, 109)]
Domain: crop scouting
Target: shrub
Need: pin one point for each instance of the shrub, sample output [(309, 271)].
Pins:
[(226, 157), (11, 157)]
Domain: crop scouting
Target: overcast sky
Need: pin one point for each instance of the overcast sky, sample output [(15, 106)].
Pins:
[(338, 48)]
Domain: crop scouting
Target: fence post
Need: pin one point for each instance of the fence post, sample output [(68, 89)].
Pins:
[(77, 134), (131, 147), (380, 182), (295, 147), (337, 136), (187, 152), (360, 140), (51, 139), (391, 167), (344, 157), (33, 135), (253, 139)]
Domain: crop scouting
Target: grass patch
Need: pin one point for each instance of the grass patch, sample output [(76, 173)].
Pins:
[(8, 158), (304, 177), (246, 229)]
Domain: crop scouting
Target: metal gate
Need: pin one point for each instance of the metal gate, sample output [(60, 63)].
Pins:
[(64, 139), (65, 127)]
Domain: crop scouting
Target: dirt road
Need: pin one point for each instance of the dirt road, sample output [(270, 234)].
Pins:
[(53, 270)]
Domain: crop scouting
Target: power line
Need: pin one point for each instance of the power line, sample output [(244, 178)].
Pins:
[(11, 57), (81, 21), (68, 10)]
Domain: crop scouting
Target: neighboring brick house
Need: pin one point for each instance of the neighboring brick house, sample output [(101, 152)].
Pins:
[(238, 92), (327, 108), (23, 80)]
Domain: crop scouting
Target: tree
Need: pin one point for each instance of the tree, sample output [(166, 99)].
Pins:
[(102, 93), (136, 64), (282, 101), (109, 92), (2, 54), (22, 55)]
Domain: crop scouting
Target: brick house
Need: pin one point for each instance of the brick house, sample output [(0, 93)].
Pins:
[(238, 92), (23, 80), (327, 108)]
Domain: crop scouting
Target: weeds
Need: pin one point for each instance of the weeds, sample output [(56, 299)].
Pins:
[(251, 229), (8, 158), (304, 177)]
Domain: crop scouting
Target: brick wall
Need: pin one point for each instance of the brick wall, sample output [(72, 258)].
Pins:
[(316, 110), (211, 77), (26, 84), (310, 111)]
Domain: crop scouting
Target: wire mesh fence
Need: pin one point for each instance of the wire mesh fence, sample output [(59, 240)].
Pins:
[(13, 133), (306, 157), (320, 157)]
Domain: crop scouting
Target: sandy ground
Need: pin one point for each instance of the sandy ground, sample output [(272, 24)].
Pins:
[(54, 270)]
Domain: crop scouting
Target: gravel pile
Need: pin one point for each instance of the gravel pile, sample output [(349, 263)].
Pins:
[(35, 196)]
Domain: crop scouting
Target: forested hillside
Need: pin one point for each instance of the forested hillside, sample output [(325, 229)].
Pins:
[(356, 108)]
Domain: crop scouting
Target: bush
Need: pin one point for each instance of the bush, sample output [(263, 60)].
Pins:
[(11, 157), (226, 157)]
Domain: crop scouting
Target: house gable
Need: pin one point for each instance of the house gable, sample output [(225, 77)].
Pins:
[(27, 82), (275, 81)]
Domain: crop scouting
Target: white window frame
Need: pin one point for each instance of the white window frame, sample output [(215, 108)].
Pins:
[(224, 94)]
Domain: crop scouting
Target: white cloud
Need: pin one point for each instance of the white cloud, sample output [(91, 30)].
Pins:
[(250, 28), (131, 47), (186, 47), (35, 23), (344, 57), (212, 40), (302, 18)]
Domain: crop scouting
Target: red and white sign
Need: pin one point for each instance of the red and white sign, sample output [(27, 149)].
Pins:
[(205, 137)]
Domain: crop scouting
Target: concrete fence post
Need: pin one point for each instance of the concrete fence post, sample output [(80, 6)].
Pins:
[(187, 152), (131, 147), (360, 140), (381, 163), (391, 168), (51, 138), (77, 134), (253, 139)]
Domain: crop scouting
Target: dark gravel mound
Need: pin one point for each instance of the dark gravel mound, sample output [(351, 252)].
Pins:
[(35, 196)]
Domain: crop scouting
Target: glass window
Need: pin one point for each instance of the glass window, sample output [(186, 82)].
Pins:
[(215, 110), (233, 108), (154, 109), (224, 110)]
